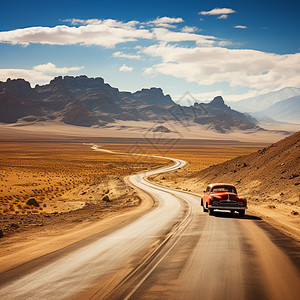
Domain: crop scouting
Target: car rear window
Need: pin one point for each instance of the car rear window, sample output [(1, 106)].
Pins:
[(223, 188)]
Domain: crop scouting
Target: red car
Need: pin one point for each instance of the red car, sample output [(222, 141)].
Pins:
[(222, 196)]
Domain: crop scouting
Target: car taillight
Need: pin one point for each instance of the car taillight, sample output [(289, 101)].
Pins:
[(243, 202)]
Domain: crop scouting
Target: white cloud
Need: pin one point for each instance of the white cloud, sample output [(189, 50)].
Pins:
[(107, 22), (165, 35), (50, 68), (224, 43), (239, 68), (165, 22), (217, 11), (125, 68), (189, 29), (106, 33), (83, 22), (124, 55), (39, 74), (223, 17), (149, 71), (240, 27)]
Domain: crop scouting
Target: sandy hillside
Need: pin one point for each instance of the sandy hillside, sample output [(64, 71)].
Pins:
[(271, 173)]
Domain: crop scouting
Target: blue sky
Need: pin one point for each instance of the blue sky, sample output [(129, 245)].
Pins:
[(235, 49)]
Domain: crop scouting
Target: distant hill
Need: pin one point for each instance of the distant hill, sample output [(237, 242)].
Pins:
[(286, 110), (260, 103), (89, 102)]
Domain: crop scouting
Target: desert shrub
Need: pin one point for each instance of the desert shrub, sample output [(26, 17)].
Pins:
[(32, 202), (106, 199)]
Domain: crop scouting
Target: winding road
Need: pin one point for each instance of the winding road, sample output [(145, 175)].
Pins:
[(174, 251)]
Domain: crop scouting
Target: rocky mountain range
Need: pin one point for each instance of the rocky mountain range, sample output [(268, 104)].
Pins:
[(262, 102), (278, 106), (84, 101), (285, 111)]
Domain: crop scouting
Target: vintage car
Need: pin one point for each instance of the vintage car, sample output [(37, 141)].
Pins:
[(223, 196)]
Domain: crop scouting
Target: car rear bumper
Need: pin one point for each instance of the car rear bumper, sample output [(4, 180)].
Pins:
[(227, 207)]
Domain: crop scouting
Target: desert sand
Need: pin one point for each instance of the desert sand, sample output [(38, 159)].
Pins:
[(52, 178), (145, 130)]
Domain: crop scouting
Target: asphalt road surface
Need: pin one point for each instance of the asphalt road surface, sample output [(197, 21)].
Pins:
[(174, 251)]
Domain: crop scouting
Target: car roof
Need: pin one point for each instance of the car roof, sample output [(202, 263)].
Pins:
[(220, 184)]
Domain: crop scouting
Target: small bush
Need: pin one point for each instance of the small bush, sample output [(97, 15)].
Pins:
[(32, 202), (106, 199)]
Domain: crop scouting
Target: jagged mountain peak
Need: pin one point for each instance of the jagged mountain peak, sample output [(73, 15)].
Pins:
[(16, 84), (81, 81), (218, 102), (154, 96)]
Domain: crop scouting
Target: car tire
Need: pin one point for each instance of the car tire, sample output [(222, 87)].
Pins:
[(210, 211), (204, 209), (242, 213)]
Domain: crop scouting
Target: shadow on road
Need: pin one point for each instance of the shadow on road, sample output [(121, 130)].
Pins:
[(228, 215)]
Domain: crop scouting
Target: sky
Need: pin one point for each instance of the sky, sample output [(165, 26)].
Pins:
[(236, 49)]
